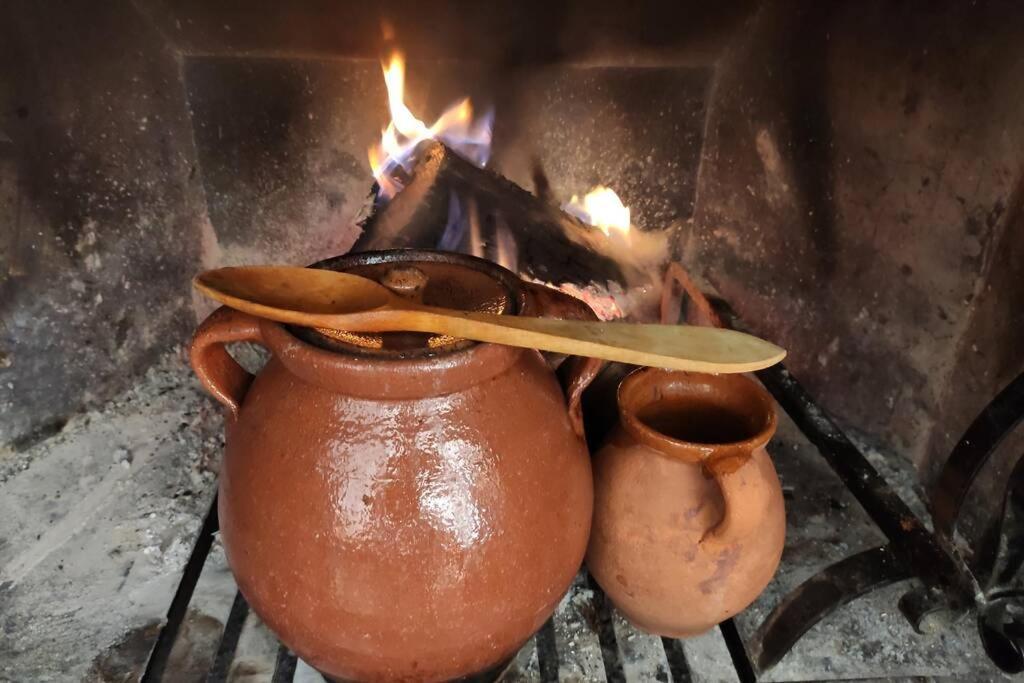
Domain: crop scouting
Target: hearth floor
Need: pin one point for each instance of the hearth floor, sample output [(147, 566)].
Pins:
[(98, 522)]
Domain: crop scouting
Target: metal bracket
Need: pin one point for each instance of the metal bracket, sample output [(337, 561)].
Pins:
[(819, 596), (972, 453)]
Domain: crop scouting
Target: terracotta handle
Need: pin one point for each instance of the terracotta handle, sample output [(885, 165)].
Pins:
[(222, 376), (747, 492), (575, 372)]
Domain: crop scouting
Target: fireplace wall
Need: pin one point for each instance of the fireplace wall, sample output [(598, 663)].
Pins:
[(860, 199), (102, 215), (848, 177)]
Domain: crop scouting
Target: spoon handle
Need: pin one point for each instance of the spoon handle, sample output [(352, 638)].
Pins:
[(679, 347)]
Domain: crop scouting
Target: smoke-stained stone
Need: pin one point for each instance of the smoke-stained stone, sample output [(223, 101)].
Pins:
[(100, 210), (282, 145), (855, 186), (638, 130)]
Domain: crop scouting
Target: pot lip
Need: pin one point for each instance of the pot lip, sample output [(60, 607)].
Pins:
[(692, 451), (518, 302), (388, 378)]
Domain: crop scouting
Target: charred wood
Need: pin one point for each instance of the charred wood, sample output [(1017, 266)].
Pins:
[(449, 203)]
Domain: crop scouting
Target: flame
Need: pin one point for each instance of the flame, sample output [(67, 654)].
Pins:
[(456, 128), (505, 252), (603, 209)]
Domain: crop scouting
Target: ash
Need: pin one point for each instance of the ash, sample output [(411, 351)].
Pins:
[(96, 525)]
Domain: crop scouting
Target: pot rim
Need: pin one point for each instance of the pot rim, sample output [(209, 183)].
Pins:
[(390, 378), (654, 381), (518, 302)]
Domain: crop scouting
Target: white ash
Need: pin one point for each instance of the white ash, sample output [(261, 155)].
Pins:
[(97, 523)]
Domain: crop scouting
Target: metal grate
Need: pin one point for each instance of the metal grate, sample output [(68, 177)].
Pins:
[(586, 639)]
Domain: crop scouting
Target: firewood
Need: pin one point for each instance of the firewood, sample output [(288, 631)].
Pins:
[(549, 245)]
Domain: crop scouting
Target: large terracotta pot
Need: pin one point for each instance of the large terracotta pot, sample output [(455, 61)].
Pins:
[(689, 521), (412, 509)]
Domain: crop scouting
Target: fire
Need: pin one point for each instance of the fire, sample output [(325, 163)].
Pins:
[(456, 128), (603, 209)]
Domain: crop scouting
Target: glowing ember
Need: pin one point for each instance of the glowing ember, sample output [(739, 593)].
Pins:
[(456, 128), (602, 208), (602, 300)]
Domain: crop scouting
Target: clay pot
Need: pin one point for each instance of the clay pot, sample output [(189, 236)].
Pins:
[(401, 512), (689, 521)]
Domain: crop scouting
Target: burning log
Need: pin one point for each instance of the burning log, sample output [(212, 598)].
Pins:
[(449, 203), (433, 192)]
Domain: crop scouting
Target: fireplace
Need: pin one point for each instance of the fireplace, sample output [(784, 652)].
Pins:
[(845, 180)]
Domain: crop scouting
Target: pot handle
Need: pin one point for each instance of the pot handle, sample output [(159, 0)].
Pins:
[(575, 372), (222, 376), (747, 492)]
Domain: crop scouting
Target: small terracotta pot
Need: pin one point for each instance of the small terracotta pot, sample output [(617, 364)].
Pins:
[(689, 521)]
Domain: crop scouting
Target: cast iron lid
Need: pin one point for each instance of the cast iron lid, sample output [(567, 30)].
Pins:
[(435, 278)]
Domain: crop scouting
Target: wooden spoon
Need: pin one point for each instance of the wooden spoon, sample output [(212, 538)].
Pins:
[(341, 301)]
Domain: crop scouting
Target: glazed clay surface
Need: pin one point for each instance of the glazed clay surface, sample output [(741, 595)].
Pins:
[(687, 534), (398, 520)]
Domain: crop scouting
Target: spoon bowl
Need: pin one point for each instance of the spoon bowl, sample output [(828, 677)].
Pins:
[(311, 290)]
